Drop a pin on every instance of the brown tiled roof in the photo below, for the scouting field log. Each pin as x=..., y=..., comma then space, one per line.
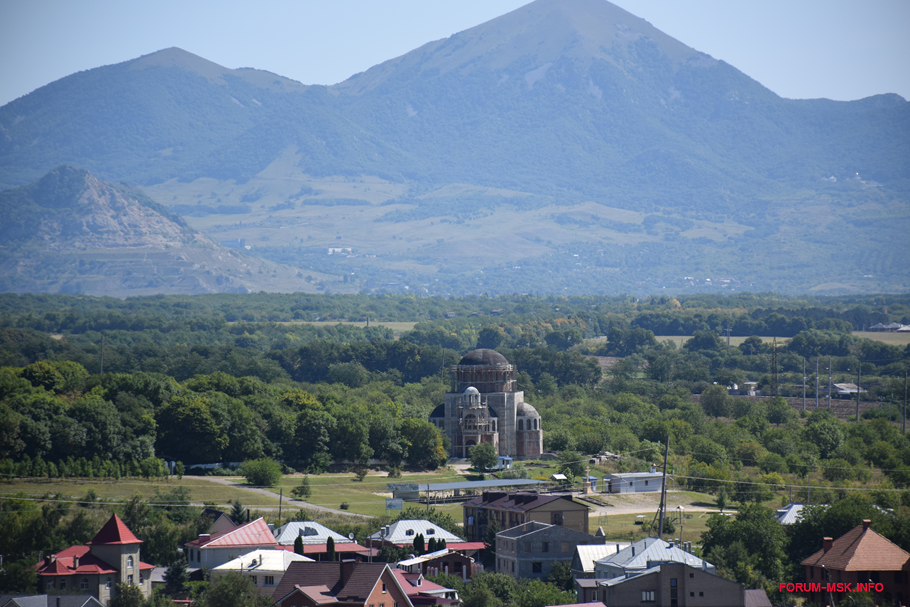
x=115, y=531
x=518, y=502
x=860, y=549
x=362, y=580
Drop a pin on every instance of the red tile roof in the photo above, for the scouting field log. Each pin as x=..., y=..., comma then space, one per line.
x=860, y=549
x=89, y=564
x=115, y=532
x=408, y=582
x=255, y=533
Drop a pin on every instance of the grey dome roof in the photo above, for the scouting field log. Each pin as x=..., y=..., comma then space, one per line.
x=483, y=357
x=439, y=411
x=523, y=409
x=471, y=390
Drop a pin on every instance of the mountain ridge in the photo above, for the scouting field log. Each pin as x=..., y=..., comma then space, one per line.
x=620, y=143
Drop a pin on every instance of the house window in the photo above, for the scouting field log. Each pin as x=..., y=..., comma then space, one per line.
x=691, y=594
x=527, y=546
x=431, y=532
x=565, y=547
x=701, y=594
x=108, y=583
x=129, y=562
x=646, y=483
x=673, y=588
x=647, y=596
x=62, y=584
x=536, y=567
x=255, y=580
x=545, y=547
x=50, y=584
x=383, y=587
x=409, y=532
x=269, y=580
x=691, y=575
x=83, y=585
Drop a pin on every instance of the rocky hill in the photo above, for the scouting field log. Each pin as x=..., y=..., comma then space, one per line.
x=69, y=232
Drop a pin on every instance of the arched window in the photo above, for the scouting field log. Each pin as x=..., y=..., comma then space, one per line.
x=521, y=425
x=129, y=562
x=83, y=585
x=108, y=584
x=536, y=422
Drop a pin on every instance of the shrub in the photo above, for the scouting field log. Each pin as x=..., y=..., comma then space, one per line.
x=264, y=472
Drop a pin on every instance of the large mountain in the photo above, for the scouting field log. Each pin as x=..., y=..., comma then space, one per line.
x=565, y=131
x=72, y=233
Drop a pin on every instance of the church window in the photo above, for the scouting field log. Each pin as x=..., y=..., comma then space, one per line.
x=83, y=585
x=129, y=562
x=521, y=425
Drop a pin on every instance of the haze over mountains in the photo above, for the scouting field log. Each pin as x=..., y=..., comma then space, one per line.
x=567, y=146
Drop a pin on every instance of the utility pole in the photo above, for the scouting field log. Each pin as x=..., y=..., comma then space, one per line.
x=859, y=373
x=816, y=383
x=804, y=384
x=829, y=383
x=728, y=330
x=663, y=493
x=904, y=422
x=280, y=499
x=774, y=367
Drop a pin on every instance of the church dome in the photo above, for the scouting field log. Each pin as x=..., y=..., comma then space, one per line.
x=483, y=357
x=471, y=390
x=523, y=409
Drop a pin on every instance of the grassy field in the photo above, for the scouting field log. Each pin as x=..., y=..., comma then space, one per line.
x=679, y=340
x=893, y=339
x=201, y=491
x=367, y=496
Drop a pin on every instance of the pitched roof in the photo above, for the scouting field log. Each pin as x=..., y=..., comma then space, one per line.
x=650, y=550
x=268, y=560
x=326, y=573
x=254, y=533
x=789, y=514
x=309, y=532
x=404, y=532
x=860, y=549
x=409, y=581
x=115, y=531
x=588, y=553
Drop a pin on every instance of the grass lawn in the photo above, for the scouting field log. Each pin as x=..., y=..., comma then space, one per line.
x=367, y=496
x=200, y=491
x=893, y=339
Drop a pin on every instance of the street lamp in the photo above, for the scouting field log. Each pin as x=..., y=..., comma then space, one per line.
x=681, y=512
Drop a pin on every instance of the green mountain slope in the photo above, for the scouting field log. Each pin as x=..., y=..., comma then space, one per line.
x=565, y=128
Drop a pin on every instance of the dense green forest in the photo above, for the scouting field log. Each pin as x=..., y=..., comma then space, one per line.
x=229, y=378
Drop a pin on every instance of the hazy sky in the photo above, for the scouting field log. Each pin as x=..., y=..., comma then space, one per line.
x=837, y=49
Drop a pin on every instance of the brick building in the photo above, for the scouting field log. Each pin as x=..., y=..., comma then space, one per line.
x=513, y=509
x=860, y=556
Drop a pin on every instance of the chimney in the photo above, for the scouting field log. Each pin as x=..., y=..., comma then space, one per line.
x=827, y=542
x=633, y=550
x=347, y=570
x=866, y=524
x=75, y=562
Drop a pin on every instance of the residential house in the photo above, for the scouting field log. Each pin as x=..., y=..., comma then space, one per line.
x=345, y=582
x=314, y=540
x=45, y=600
x=860, y=556
x=633, y=482
x=664, y=585
x=212, y=550
x=513, y=509
x=530, y=550
x=112, y=557
x=643, y=554
x=403, y=532
x=586, y=555
x=264, y=567
x=424, y=592
x=789, y=514
x=446, y=561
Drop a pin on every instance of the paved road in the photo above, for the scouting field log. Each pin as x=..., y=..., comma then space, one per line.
x=288, y=503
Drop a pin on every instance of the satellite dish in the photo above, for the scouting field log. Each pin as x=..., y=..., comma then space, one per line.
x=351, y=536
